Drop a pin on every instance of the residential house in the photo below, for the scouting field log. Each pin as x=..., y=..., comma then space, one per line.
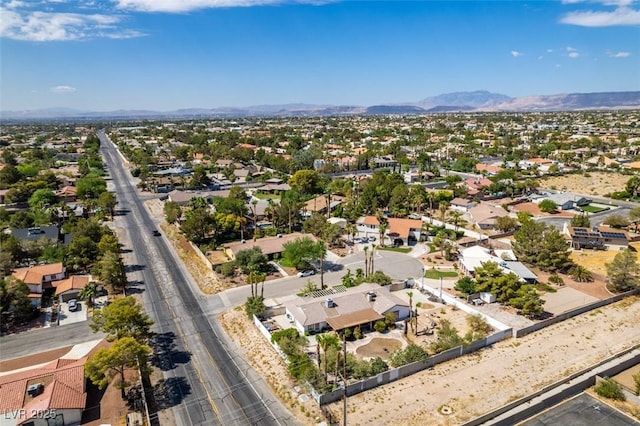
x=484, y=215
x=542, y=164
x=400, y=231
x=564, y=200
x=67, y=194
x=474, y=257
x=475, y=185
x=382, y=162
x=39, y=278
x=319, y=205
x=57, y=387
x=462, y=204
x=600, y=238
x=269, y=245
x=488, y=169
x=69, y=288
x=183, y=197
x=359, y=306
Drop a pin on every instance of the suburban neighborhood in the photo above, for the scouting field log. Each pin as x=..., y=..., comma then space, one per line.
x=319, y=263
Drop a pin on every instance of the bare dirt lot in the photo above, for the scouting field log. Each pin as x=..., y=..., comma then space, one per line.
x=593, y=183
x=506, y=371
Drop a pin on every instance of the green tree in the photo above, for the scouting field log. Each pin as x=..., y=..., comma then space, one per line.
x=15, y=305
x=198, y=224
x=108, y=244
x=327, y=341
x=124, y=354
x=90, y=187
x=252, y=260
x=124, y=317
x=633, y=186
x=82, y=252
x=110, y=270
x=307, y=182
x=255, y=306
x=302, y=251
x=528, y=301
x=411, y=353
x=624, y=271
x=580, y=221
x=172, y=211
x=466, y=285
x=616, y=221
x=42, y=198
x=548, y=206
x=506, y=223
x=448, y=337
x=107, y=202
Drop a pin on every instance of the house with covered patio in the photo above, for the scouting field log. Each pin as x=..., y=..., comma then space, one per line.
x=345, y=308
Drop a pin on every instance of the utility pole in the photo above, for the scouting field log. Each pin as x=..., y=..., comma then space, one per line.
x=441, y=301
x=344, y=378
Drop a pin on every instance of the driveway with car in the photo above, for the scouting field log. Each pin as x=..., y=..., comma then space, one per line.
x=66, y=316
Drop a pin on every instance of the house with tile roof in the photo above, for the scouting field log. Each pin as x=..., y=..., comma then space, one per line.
x=69, y=288
x=57, y=388
x=39, y=278
x=405, y=230
x=358, y=306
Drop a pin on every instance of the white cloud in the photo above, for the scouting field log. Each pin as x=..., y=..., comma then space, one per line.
x=622, y=15
x=178, y=6
x=58, y=26
x=61, y=90
x=516, y=54
x=619, y=54
x=572, y=52
x=540, y=57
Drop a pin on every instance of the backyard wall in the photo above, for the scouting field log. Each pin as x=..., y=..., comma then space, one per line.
x=409, y=369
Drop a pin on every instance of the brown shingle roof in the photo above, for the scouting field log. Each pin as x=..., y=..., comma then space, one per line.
x=353, y=319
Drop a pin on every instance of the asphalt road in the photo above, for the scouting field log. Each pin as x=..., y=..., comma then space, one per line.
x=210, y=386
x=44, y=339
x=396, y=265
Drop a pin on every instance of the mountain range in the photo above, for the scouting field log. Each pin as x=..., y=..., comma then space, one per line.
x=476, y=101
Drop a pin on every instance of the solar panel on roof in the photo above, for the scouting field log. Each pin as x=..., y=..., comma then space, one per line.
x=613, y=235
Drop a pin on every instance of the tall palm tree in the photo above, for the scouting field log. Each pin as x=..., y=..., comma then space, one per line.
x=327, y=341
x=366, y=260
x=456, y=218
x=442, y=208
x=382, y=228
x=410, y=294
x=373, y=250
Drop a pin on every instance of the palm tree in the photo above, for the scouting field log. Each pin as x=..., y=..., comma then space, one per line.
x=89, y=292
x=382, y=228
x=410, y=294
x=366, y=260
x=254, y=203
x=581, y=274
x=327, y=341
x=442, y=208
x=456, y=219
x=373, y=250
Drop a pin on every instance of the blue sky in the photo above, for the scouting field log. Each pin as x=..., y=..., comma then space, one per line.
x=104, y=55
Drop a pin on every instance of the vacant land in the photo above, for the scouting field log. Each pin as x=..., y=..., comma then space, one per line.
x=593, y=183
x=506, y=371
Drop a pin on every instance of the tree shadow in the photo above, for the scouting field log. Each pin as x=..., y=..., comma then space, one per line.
x=165, y=353
x=171, y=392
x=94, y=396
x=134, y=268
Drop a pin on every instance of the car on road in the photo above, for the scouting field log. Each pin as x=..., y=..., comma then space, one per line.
x=156, y=233
x=73, y=305
x=306, y=273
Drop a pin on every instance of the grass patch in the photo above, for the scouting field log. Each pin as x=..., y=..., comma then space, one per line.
x=432, y=248
x=436, y=274
x=594, y=209
x=398, y=249
x=285, y=263
x=266, y=196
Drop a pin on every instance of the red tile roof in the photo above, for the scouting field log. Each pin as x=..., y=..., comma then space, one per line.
x=64, y=387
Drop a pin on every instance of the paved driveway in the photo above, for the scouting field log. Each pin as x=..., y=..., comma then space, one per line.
x=67, y=317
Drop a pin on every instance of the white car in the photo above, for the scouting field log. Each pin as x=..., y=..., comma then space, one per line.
x=73, y=305
x=306, y=273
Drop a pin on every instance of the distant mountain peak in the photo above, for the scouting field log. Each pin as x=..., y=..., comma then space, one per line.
x=474, y=99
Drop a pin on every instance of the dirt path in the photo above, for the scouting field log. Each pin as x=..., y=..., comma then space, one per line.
x=497, y=375
x=593, y=183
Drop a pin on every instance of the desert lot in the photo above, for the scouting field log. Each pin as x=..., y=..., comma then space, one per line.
x=595, y=183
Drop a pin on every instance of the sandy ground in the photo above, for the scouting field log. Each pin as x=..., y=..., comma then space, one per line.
x=506, y=371
x=596, y=183
x=261, y=355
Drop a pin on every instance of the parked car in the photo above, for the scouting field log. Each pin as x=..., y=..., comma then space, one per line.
x=372, y=239
x=73, y=305
x=306, y=273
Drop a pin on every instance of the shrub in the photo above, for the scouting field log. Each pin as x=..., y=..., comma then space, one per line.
x=390, y=320
x=556, y=279
x=411, y=353
x=380, y=326
x=609, y=388
x=226, y=269
x=636, y=381
x=357, y=333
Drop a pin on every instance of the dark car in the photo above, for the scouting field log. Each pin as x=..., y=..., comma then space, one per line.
x=156, y=233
